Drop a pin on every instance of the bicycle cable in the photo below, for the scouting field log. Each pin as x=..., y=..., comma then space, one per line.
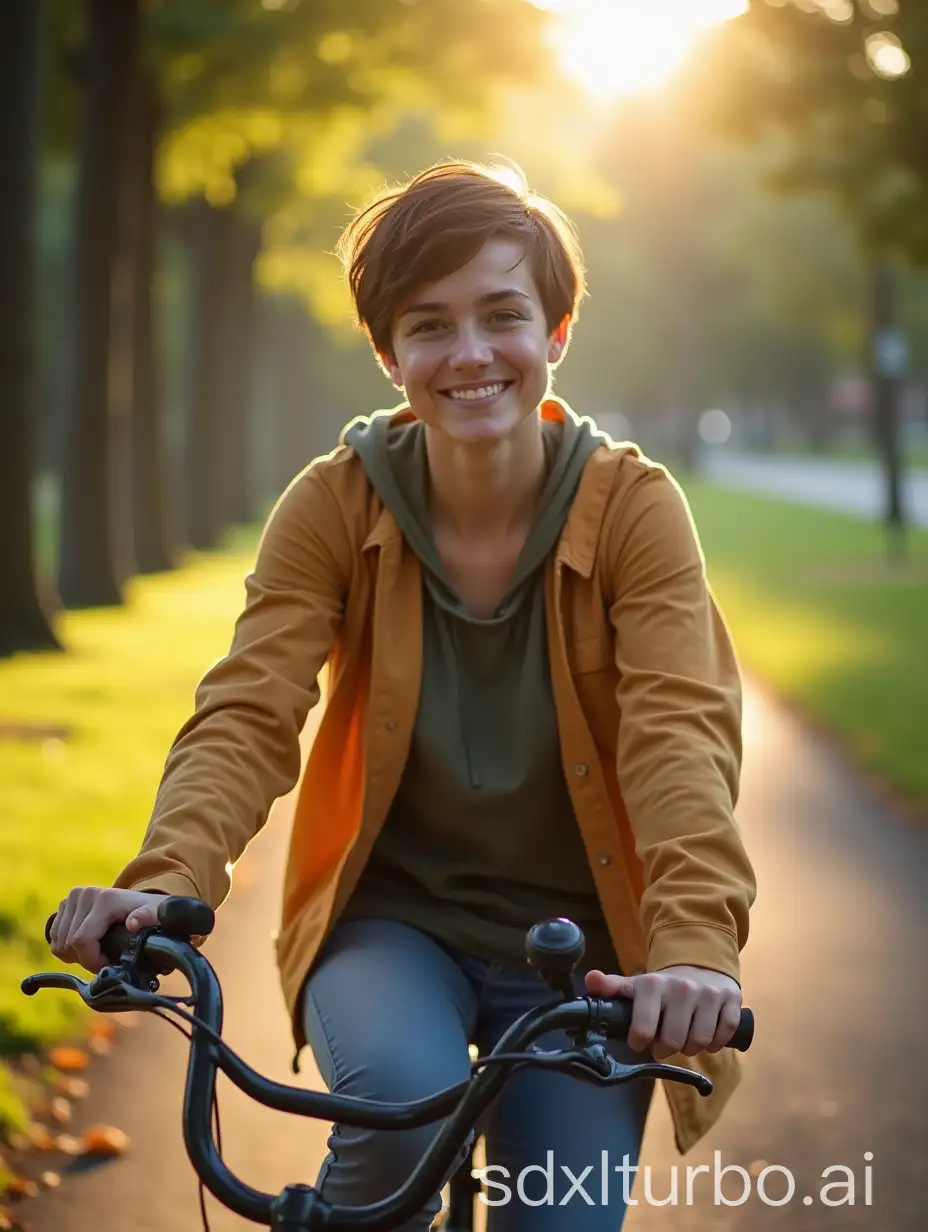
x=215, y=1109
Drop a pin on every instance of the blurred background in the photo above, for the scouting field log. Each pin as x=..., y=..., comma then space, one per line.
x=750, y=186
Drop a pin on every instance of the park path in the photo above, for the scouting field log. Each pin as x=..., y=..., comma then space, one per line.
x=848, y=487
x=834, y=970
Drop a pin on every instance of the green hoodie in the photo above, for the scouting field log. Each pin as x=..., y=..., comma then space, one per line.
x=481, y=841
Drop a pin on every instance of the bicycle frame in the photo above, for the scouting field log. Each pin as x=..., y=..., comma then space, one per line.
x=129, y=985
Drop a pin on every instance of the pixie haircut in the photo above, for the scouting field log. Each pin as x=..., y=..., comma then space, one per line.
x=426, y=229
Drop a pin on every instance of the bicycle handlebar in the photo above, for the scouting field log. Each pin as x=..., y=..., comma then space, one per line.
x=128, y=984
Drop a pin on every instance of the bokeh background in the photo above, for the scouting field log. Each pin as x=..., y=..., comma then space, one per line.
x=750, y=186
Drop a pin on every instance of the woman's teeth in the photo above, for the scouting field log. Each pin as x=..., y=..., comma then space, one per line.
x=473, y=395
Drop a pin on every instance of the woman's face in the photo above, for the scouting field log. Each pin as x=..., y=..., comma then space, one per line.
x=472, y=350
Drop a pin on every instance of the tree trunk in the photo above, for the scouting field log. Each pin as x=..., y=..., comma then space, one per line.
x=203, y=462
x=886, y=372
x=23, y=623
x=87, y=571
x=238, y=307
x=147, y=444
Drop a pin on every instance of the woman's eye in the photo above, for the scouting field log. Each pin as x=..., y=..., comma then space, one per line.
x=507, y=317
x=426, y=327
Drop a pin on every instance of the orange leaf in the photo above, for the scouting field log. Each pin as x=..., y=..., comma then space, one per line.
x=105, y=1140
x=6, y=1219
x=68, y=1058
x=102, y=1028
x=22, y=1187
x=51, y=1180
x=100, y=1045
x=69, y=1145
x=40, y=1138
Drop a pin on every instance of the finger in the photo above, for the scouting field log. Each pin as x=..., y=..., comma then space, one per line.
x=603, y=985
x=728, y=1023
x=104, y=910
x=61, y=929
x=709, y=1004
x=646, y=1012
x=145, y=916
x=679, y=998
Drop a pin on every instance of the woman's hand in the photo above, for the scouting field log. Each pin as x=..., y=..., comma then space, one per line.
x=701, y=1008
x=88, y=911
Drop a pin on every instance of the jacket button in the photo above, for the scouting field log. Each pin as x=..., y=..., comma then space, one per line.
x=580, y=768
x=604, y=858
x=391, y=724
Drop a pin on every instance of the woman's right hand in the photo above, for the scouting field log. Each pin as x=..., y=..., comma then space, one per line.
x=88, y=911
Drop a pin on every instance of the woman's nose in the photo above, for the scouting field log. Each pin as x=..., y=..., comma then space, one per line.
x=470, y=348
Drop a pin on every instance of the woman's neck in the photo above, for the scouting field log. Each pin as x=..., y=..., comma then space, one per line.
x=480, y=491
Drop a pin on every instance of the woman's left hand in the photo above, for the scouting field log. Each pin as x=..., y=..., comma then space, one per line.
x=701, y=1008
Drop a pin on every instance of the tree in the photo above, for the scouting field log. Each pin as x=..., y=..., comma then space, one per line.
x=88, y=572
x=846, y=85
x=24, y=624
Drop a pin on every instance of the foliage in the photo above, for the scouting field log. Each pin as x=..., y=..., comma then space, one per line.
x=846, y=83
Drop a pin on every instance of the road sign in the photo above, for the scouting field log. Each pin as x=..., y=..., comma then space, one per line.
x=891, y=353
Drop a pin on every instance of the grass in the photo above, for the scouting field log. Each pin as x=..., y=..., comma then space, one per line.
x=816, y=610
x=75, y=806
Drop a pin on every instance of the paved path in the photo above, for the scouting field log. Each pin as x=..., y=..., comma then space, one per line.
x=834, y=970
x=850, y=487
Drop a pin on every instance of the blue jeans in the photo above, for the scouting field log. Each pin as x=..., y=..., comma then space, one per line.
x=389, y=1013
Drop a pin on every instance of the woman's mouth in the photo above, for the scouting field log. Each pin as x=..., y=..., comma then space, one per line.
x=476, y=395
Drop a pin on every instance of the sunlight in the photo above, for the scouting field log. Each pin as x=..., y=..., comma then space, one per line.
x=620, y=47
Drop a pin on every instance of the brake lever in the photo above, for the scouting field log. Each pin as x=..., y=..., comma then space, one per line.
x=112, y=996
x=657, y=1069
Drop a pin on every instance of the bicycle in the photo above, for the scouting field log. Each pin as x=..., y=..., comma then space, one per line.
x=130, y=981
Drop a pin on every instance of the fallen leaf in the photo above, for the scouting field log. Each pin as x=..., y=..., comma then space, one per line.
x=59, y=1109
x=102, y=1028
x=74, y=1088
x=21, y=1187
x=105, y=1140
x=69, y=1145
x=100, y=1045
x=68, y=1058
x=51, y=1180
x=6, y=1219
x=17, y=1141
x=40, y=1138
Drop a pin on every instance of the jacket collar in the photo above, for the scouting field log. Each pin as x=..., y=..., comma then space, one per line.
x=579, y=539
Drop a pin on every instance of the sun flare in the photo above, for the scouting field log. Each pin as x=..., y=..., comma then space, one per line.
x=620, y=47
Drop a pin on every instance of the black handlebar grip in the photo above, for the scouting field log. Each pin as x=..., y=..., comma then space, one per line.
x=178, y=916
x=619, y=1018
x=744, y=1032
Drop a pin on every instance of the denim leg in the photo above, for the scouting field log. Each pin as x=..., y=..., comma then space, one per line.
x=388, y=1015
x=553, y=1125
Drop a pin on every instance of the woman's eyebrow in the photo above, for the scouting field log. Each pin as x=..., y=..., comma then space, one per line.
x=491, y=297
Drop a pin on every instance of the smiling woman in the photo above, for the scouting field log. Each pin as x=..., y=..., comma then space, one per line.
x=631, y=46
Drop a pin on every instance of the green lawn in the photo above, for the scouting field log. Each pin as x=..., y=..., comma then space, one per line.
x=816, y=610
x=75, y=807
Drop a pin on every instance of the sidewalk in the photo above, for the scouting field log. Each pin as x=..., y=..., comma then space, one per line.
x=847, y=487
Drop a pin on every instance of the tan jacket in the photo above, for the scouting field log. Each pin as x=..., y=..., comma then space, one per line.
x=648, y=702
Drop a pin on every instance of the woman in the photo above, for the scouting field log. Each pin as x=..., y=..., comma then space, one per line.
x=533, y=710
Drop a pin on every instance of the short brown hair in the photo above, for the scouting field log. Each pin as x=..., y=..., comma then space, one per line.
x=437, y=222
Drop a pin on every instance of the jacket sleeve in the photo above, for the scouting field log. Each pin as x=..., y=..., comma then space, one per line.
x=679, y=744
x=240, y=749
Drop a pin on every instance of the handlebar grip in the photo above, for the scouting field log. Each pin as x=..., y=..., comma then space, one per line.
x=179, y=917
x=619, y=1019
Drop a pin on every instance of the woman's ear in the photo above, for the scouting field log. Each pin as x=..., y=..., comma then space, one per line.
x=557, y=344
x=390, y=369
